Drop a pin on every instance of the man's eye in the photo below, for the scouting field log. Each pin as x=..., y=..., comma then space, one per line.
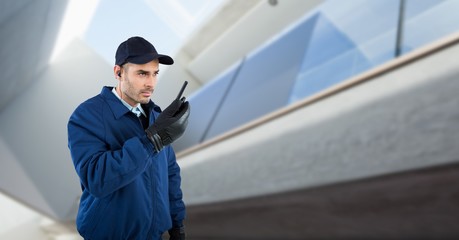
x=142, y=74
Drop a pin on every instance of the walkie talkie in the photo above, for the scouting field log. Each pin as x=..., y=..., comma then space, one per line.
x=182, y=90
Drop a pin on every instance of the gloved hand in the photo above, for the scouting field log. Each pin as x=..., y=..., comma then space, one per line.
x=170, y=124
x=177, y=233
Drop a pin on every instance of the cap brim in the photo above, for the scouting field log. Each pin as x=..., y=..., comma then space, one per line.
x=163, y=59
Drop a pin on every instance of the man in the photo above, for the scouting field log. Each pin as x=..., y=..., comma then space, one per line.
x=120, y=142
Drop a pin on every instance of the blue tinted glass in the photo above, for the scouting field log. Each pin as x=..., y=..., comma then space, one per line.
x=204, y=105
x=414, y=8
x=427, y=21
x=265, y=79
x=348, y=39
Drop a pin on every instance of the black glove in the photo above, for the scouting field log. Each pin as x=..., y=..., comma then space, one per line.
x=177, y=233
x=170, y=124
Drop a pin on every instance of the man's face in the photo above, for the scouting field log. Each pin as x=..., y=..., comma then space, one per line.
x=138, y=82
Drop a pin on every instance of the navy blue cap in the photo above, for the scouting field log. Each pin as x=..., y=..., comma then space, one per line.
x=139, y=51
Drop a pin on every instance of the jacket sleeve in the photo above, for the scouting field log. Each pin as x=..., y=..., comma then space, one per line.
x=102, y=170
x=177, y=206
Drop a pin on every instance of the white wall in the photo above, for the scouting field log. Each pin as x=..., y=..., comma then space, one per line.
x=34, y=131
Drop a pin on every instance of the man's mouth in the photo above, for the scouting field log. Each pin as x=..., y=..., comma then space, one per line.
x=146, y=93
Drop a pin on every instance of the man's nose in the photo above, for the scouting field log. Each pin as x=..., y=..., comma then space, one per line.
x=150, y=82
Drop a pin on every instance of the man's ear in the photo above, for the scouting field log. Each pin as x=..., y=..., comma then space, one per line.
x=117, y=71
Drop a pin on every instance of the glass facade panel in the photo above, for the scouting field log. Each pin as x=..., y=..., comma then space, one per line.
x=335, y=42
x=348, y=39
x=204, y=106
x=427, y=21
x=265, y=79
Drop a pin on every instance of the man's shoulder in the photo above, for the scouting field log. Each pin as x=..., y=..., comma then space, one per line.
x=90, y=108
x=94, y=102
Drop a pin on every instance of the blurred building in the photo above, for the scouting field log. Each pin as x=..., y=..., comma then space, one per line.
x=310, y=119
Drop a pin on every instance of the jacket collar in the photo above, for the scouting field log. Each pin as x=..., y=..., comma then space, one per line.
x=117, y=106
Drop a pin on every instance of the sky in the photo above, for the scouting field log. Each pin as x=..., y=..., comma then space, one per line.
x=104, y=24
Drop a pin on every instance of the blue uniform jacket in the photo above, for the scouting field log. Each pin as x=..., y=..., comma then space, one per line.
x=129, y=190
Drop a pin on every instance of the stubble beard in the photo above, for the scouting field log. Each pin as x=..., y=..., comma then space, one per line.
x=137, y=97
x=134, y=95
